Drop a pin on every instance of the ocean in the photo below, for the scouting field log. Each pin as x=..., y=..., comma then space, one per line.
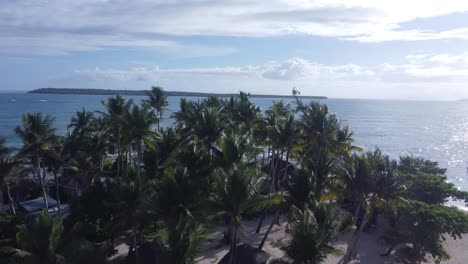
x=435, y=130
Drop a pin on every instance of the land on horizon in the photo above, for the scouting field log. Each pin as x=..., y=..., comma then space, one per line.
x=90, y=91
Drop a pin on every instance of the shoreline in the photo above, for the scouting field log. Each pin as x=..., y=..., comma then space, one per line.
x=84, y=91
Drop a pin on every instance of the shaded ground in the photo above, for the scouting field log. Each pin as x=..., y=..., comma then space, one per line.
x=369, y=252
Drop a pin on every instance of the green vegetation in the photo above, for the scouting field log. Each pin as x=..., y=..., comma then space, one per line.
x=161, y=189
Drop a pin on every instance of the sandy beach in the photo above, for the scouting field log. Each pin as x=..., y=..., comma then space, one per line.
x=370, y=248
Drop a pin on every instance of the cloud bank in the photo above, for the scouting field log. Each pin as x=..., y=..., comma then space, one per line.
x=60, y=27
x=420, y=68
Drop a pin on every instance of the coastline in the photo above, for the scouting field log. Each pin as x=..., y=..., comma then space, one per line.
x=84, y=91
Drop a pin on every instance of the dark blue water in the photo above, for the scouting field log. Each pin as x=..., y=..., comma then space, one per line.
x=433, y=130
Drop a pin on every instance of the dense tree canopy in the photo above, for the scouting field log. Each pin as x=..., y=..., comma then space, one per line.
x=160, y=188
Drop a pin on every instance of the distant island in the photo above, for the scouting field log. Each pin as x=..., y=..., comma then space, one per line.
x=143, y=92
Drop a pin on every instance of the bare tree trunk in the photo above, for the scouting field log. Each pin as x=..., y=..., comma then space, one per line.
x=273, y=221
x=233, y=245
x=353, y=246
x=12, y=204
x=260, y=222
x=135, y=246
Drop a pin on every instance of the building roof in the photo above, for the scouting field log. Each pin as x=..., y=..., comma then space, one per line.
x=37, y=204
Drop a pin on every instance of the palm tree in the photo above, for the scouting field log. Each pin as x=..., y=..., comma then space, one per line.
x=140, y=132
x=237, y=191
x=240, y=111
x=115, y=117
x=371, y=179
x=183, y=242
x=311, y=236
x=281, y=134
x=38, y=138
x=56, y=161
x=164, y=149
x=4, y=168
x=179, y=206
x=82, y=123
x=130, y=207
x=323, y=144
x=4, y=149
x=38, y=242
x=157, y=99
x=200, y=121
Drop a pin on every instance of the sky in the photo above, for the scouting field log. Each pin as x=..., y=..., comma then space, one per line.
x=416, y=49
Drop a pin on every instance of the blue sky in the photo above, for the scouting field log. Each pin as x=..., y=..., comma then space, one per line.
x=338, y=48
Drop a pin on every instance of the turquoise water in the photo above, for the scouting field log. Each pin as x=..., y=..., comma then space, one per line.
x=433, y=130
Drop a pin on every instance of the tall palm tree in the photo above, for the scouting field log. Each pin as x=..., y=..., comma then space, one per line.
x=240, y=111
x=38, y=138
x=140, y=121
x=131, y=206
x=371, y=179
x=179, y=208
x=9, y=171
x=4, y=152
x=323, y=144
x=281, y=133
x=56, y=161
x=182, y=242
x=117, y=109
x=82, y=123
x=39, y=241
x=157, y=99
x=237, y=191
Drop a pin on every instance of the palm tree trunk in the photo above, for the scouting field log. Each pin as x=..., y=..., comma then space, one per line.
x=353, y=246
x=157, y=121
x=160, y=118
x=233, y=248
x=57, y=190
x=260, y=222
x=2, y=207
x=139, y=155
x=280, y=167
x=10, y=198
x=135, y=232
x=267, y=156
x=119, y=154
x=287, y=164
x=272, y=184
x=41, y=182
x=273, y=221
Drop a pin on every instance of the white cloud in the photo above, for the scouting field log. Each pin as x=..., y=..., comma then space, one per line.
x=57, y=27
x=411, y=35
x=422, y=69
x=287, y=70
